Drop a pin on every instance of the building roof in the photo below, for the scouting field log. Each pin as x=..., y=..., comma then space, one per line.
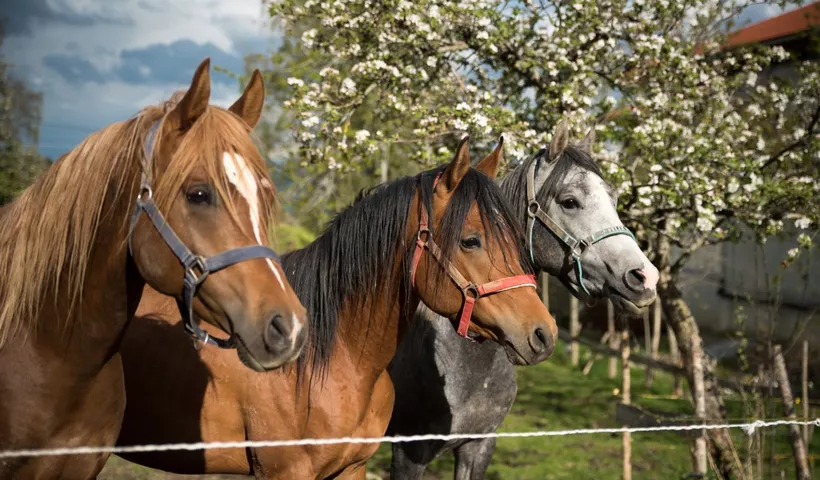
x=775, y=28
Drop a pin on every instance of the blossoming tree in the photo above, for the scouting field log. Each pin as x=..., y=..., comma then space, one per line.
x=702, y=147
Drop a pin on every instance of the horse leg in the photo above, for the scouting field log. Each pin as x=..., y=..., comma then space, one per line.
x=409, y=461
x=473, y=458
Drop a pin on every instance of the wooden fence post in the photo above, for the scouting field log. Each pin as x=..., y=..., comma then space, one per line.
x=612, y=338
x=656, y=337
x=675, y=354
x=805, y=382
x=626, y=396
x=759, y=413
x=574, y=330
x=801, y=463
x=699, y=394
x=545, y=289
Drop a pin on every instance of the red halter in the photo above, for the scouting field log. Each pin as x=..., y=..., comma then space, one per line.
x=471, y=291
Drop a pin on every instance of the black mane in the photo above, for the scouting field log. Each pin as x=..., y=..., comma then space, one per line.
x=514, y=184
x=353, y=259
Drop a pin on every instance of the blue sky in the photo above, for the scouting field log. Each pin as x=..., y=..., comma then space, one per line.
x=100, y=61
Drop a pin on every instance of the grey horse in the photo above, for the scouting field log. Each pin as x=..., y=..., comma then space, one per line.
x=445, y=383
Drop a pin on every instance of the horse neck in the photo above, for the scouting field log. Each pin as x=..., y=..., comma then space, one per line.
x=111, y=291
x=372, y=332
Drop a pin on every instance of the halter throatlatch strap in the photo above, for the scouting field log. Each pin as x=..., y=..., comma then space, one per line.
x=470, y=291
x=576, y=247
x=196, y=267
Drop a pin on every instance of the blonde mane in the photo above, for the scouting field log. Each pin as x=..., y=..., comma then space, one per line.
x=50, y=231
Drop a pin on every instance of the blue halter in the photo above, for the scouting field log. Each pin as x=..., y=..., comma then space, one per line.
x=576, y=247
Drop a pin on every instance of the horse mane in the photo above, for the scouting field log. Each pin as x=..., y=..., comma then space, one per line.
x=514, y=184
x=50, y=230
x=352, y=261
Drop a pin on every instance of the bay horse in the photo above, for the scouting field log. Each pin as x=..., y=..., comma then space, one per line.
x=445, y=385
x=143, y=201
x=361, y=281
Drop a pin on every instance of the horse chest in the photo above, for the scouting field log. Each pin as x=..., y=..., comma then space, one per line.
x=348, y=411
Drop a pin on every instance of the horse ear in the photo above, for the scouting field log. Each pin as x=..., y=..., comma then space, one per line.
x=459, y=167
x=588, y=141
x=489, y=165
x=249, y=106
x=560, y=140
x=195, y=101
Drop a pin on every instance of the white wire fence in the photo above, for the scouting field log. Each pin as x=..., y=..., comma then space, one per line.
x=748, y=428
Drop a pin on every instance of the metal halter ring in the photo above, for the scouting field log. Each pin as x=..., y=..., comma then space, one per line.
x=471, y=288
x=145, y=193
x=425, y=231
x=532, y=208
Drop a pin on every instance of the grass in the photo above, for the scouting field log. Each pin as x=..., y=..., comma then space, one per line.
x=556, y=396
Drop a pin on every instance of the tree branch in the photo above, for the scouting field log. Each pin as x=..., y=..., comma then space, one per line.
x=809, y=131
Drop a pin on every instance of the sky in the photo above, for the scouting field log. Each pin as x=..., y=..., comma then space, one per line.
x=100, y=61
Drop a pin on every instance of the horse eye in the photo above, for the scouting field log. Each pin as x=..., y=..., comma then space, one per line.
x=470, y=243
x=569, y=203
x=199, y=195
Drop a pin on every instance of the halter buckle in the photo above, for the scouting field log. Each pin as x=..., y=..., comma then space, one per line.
x=532, y=208
x=197, y=271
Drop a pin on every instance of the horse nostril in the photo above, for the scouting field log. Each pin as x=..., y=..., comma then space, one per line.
x=543, y=343
x=278, y=325
x=635, y=279
x=277, y=333
x=539, y=333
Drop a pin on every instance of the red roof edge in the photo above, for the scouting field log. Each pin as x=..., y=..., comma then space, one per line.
x=789, y=23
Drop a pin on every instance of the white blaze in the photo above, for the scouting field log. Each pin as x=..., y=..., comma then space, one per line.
x=242, y=178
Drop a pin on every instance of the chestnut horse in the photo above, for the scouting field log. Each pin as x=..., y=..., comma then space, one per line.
x=361, y=282
x=141, y=201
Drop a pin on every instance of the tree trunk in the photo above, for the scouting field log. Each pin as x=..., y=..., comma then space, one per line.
x=801, y=463
x=695, y=363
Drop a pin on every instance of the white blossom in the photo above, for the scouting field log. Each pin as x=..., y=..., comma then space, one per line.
x=362, y=135
x=802, y=223
x=348, y=87
x=308, y=37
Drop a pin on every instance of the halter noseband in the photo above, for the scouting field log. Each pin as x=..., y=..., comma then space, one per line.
x=197, y=268
x=469, y=290
x=577, y=248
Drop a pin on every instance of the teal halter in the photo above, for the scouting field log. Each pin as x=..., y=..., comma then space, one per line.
x=577, y=248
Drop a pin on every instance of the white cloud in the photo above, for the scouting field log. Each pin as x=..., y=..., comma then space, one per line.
x=109, y=27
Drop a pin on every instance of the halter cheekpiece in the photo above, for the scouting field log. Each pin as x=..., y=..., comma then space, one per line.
x=470, y=291
x=197, y=268
x=576, y=248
